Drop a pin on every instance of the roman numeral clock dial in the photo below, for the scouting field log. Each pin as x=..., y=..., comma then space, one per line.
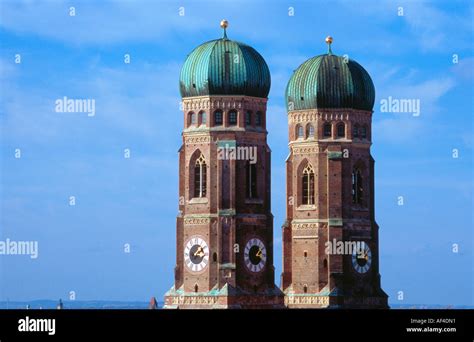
x=362, y=258
x=196, y=254
x=255, y=255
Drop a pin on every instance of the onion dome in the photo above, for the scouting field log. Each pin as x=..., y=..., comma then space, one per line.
x=224, y=67
x=330, y=81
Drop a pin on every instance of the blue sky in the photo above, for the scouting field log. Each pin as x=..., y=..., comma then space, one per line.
x=134, y=201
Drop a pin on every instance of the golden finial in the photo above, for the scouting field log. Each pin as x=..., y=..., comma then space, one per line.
x=224, y=25
x=329, y=42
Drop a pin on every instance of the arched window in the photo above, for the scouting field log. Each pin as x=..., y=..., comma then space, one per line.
x=258, y=119
x=251, y=185
x=299, y=132
x=196, y=288
x=363, y=132
x=308, y=185
x=200, y=177
x=248, y=118
x=203, y=118
x=218, y=118
x=232, y=118
x=327, y=130
x=357, y=187
x=191, y=119
x=355, y=131
x=214, y=257
x=341, y=130
x=310, y=131
x=305, y=288
x=325, y=263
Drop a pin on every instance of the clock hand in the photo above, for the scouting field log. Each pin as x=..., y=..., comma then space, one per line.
x=259, y=253
x=199, y=252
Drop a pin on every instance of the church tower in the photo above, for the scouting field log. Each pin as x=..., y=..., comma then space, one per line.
x=224, y=229
x=330, y=237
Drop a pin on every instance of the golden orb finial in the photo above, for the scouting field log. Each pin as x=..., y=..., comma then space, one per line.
x=329, y=42
x=224, y=24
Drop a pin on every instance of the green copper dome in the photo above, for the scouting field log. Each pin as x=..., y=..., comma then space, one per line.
x=329, y=81
x=224, y=67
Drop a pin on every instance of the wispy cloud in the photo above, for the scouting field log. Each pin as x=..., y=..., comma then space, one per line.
x=423, y=25
x=398, y=83
x=435, y=28
x=135, y=100
x=96, y=23
x=428, y=91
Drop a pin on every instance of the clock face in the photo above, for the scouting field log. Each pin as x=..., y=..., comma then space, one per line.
x=255, y=255
x=196, y=254
x=362, y=258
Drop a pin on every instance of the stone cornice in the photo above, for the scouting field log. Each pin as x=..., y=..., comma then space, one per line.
x=196, y=221
x=202, y=137
x=318, y=145
x=298, y=116
x=224, y=102
x=197, y=139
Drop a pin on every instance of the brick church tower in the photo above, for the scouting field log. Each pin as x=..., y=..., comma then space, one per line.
x=224, y=229
x=330, y=237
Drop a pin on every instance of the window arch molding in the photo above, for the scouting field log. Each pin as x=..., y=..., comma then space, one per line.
x=306, y=183
x=248, y=118
x=327, y=130
x=232, y=117
x=299, y=131
x=341, y=130
x=192, y=119
x=309, y=130
x=202, y=118
x=251, y=180
x=198, y=175
x=359, y=184
x=218, y=117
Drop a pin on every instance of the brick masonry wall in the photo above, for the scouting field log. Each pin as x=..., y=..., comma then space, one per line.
x=306, y=266
x=225, y=218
